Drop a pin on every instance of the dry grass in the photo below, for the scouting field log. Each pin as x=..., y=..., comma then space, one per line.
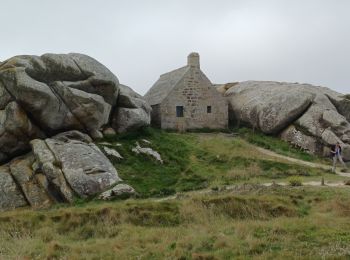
x=277, y=223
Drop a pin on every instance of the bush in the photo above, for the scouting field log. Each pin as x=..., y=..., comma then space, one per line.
x=295, y=181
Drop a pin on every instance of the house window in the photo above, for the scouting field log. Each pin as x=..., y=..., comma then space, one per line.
x=179, y=111
x=208, y=109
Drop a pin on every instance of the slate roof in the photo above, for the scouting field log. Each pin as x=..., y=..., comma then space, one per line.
x=163, y=86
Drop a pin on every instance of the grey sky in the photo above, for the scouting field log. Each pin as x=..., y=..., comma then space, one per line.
x=283, y=40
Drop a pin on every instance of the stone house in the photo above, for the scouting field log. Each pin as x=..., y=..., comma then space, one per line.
x=186, y=99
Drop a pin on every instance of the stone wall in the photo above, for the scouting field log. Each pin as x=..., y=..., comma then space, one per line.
x=194, y=92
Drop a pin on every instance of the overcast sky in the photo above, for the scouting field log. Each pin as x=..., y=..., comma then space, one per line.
x=283, y=40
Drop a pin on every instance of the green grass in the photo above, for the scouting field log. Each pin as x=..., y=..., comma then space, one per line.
x=258, y=223
x=274, y=144
x=149, y=177
x=195, y=161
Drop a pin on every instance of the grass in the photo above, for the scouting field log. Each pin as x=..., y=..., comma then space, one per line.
x=248, y=221
x=266, y=223
x=274, y=144
x=295, y=181
x=197, y=160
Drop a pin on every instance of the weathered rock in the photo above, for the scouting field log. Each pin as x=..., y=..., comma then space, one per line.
x=342, y=103
x=118, y=191
x=16, y=130
x=329, y=137
x=109, y=132
x=346, y=151
x=338, y=123
x=317, y=113
x=101, y=81
x=43, y=96
x=10, y=195
x=38, y=100
x=148, y=151
x=146, y=141
x=22, y=172
x=292, y=135
x=130, y=119
x=90, y=109
x=56, y=170
x=84, y=166
x=112, y=153
x=61, y=92
x=133, y=112
x=53, y=179
x=130, y=99
x=268, y=106
x=5, y=97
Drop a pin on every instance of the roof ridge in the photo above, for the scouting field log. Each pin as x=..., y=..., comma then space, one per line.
x=173, y=70
x=163, y=86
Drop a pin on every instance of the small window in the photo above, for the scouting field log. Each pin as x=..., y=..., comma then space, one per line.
x=179, y=111
x=208, y=109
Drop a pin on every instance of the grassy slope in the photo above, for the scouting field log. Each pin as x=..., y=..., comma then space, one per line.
x=200, y=160
x=262, y=223
x=275, y=144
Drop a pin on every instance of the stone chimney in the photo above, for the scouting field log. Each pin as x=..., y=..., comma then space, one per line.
x=193, y=60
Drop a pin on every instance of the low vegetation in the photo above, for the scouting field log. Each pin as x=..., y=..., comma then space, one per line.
x=232, y=217
x=251, y=222
x=295, y=181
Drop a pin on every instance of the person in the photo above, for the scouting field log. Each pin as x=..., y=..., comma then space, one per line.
x=336, y=154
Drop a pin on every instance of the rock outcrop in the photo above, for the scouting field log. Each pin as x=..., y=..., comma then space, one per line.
x=58, y=169
x=132, y=113
x=50, y=108
x=53, y=93
x=118, y=191
x=308, y=116
x=147, y=151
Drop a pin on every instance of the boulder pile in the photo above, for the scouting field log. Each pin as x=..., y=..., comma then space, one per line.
x=310, y=117
x=50, y=106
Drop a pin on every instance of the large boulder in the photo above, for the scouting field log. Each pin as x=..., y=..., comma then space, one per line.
x=16, y=130
x=49, y=88
x=22, y=173
x=10, y=194
x=58, y=169
x=308, y=116
x=41, y=96
x=86, y=169
x=300, y=139
x=133, y=111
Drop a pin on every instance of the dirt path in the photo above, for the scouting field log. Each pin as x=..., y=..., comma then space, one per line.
x=270, y=153
x=301, y=162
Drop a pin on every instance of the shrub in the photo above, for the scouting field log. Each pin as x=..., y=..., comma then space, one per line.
x=295, y=181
